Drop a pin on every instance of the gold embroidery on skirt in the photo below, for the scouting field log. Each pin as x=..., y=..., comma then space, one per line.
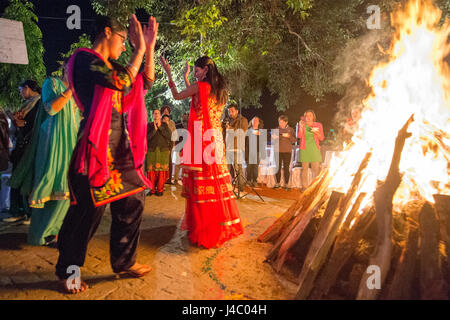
x=229, y=223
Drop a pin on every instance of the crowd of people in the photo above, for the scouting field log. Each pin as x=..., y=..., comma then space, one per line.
x=83, y=141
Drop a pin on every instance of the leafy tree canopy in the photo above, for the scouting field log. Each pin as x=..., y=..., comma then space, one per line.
x=11, y=75
x=287, y=46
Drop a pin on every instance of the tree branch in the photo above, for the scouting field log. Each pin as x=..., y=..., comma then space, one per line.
x=304, y=42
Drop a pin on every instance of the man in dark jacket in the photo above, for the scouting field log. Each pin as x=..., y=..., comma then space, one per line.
x=235, y=143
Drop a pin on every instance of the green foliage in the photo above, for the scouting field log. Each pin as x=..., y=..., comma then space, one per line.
x=300, y=6
x=84, y=41
x=119, y=9
x=11, y=75
x=199, y=20
x=159, y=95
x=445, y=7
x=286, y=46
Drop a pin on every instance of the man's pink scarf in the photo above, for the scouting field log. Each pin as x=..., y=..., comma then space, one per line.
x=91, y=159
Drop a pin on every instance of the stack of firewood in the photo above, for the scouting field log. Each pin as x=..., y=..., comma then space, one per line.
x=340, y=252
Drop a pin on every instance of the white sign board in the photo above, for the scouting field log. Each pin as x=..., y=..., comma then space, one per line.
x=13, y=48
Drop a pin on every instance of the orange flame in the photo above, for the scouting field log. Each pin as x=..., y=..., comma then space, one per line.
x=415, y=80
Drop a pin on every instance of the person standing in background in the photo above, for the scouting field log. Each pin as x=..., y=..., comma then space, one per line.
x=158, y=153
x=351, y=125
x=285, y=139
x=4, y=160
x=4, y=141
x=166, y=110
x=310, y=133
x=42, y=172
x=252, y=160
x=183, y=124
x=24, y=122
x=235, y=144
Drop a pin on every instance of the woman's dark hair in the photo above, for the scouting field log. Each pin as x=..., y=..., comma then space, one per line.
x=31, y=84
x=101, y=22
x=260, y=125
x=214, y=78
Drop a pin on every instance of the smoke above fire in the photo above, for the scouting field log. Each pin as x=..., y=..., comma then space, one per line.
x=411, y=77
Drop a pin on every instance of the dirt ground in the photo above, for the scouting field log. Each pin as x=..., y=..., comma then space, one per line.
x=180, y=270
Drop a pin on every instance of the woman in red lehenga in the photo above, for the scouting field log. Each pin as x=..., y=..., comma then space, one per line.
x=212, y=216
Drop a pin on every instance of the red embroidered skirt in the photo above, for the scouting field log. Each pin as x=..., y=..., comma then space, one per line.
x=212, y=216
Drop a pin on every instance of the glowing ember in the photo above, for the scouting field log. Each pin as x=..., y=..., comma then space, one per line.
x=416, y=80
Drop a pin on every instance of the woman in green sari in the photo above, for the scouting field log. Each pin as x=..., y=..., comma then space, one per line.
x=42, y=175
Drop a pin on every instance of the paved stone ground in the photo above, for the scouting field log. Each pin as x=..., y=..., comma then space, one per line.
x=180, y=270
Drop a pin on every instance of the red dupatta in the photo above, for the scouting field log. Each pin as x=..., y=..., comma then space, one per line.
x=192, y=152
x=91, y=159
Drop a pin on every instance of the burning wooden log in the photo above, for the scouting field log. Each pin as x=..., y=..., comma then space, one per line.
x=326, y=234
x=442, y=206
x=274, y=231
x=294, y=235
x=432, y=284
x=303, y=216
x=383, y=197
x=402, y=282
x=308, y=271
x=299, y=223
x=407, y=254
x=345, y=245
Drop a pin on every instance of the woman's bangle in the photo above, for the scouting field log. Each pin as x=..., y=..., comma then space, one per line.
x=62, y=94
x=130, y=65
x=148, y=78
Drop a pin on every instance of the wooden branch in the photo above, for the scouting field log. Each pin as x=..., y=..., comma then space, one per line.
x=326, y=235
x=432, y=284
x=401, y=287
x=383, y=197
x=307, y=275
x=304, y=42
x=318, y=199
x=275, y=230
x=442, y=207
x=293, y=236
x=318, y=196
x=346, y=243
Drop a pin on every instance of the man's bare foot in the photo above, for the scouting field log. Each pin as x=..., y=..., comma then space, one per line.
x=137, y=270
x=65, y=286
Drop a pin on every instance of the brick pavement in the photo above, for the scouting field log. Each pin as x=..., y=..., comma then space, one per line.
x=180, y=270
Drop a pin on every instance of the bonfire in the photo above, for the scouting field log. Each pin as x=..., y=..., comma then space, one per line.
x=383, y=204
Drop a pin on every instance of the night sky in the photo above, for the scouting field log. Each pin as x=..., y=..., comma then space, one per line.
x=57, y=39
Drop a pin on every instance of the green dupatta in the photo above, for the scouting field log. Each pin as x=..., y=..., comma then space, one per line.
x=42, y=172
